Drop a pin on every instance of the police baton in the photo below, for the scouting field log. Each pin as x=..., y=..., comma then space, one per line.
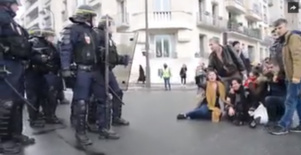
x=21, y=96
x=115, y=95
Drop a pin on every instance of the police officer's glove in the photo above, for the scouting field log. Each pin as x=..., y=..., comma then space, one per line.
x=3, y=72
x=67, y=73
x=44, y=58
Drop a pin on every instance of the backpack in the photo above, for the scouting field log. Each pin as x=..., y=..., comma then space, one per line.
x=298, y=32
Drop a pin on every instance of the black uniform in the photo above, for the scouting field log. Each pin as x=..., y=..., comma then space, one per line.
x=114, y=59
x=79, y=46
x=14, y=51
x=42, y=80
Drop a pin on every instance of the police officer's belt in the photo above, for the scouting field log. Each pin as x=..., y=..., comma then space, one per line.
x=85, y=67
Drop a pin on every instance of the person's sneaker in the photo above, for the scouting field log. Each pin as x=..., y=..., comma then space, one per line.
x=278, y=130
x=296, y=129
x=181, y=116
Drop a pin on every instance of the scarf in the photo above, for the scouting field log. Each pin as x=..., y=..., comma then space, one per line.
x=211, y=93
x=250, y=80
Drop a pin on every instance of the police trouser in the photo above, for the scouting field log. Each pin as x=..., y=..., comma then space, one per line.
x=61, y=95
x=35, y=85
x=116, y=103
x=92, y=111
x=10, y=103
x=51, y=89
x=87, y=83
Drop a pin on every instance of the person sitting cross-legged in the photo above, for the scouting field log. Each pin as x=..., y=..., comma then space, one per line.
x=209, y=106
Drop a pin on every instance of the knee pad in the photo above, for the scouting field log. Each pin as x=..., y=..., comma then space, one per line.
x=6, y=111
x=81, y=107
x=7, y=105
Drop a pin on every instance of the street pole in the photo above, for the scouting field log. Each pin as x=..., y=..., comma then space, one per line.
x=147, y=65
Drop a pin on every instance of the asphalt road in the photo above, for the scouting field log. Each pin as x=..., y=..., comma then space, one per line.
x=154, y=130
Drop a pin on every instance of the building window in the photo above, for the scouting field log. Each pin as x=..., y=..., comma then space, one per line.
x=65, y=15
x=162, y=5
x=122, y=11
x=262, y=54
x=163, y=45
x=80, y=2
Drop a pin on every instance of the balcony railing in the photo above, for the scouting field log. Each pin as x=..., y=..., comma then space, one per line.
x=163, y=20
x=204, y=18
x=162, y=15
x=239, y=28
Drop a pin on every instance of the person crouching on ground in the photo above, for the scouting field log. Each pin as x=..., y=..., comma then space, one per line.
x=209, y=106
x=237, y=111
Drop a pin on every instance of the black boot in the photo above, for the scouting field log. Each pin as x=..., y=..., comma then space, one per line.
x=82, y=139
x=117, y=112
x=181, y=117
x=80, y=135
x=53, y=120
x=72, y=116
x=24, y=140
x=92, y=127
x=108, y=134
x=10, y=148
x=120, y=122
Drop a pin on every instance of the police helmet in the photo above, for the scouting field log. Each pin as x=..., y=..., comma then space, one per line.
x=35, y=31
x=45, y=32
x=85, y=11
x=10, y=2
x=102, y=22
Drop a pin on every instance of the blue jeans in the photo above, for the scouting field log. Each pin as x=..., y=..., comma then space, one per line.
x=167, y=83
x=292, y=103
x=202, y=112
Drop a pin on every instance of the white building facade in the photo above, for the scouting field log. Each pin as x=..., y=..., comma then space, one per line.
x=179, y=31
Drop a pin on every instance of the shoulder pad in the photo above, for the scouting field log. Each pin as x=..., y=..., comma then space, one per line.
x=67, y=29
x=66, y=34
x=5, y=18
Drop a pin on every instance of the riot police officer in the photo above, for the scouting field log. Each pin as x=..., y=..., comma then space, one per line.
x=14, y=50
x=117, y=93
x=42, y=81
x=104, y=116
x=79, y=47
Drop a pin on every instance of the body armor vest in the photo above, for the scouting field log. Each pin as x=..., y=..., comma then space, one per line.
x=85, y=50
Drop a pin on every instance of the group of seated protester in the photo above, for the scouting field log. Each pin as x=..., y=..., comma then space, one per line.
x=263, y=86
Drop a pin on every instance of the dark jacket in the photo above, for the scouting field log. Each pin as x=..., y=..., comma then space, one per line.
x=183, y=72
x=246, y=62
x=240, y=102
x=231, y=63
x=277, y=88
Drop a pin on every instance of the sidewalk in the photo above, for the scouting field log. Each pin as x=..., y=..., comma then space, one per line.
x=160, y=87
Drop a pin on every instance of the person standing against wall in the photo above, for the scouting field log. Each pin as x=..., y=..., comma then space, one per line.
x=183, y=74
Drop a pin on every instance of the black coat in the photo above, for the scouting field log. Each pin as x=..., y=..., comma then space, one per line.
x=231, y=63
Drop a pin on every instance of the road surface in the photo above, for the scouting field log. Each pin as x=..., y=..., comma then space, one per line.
x=154, y=130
